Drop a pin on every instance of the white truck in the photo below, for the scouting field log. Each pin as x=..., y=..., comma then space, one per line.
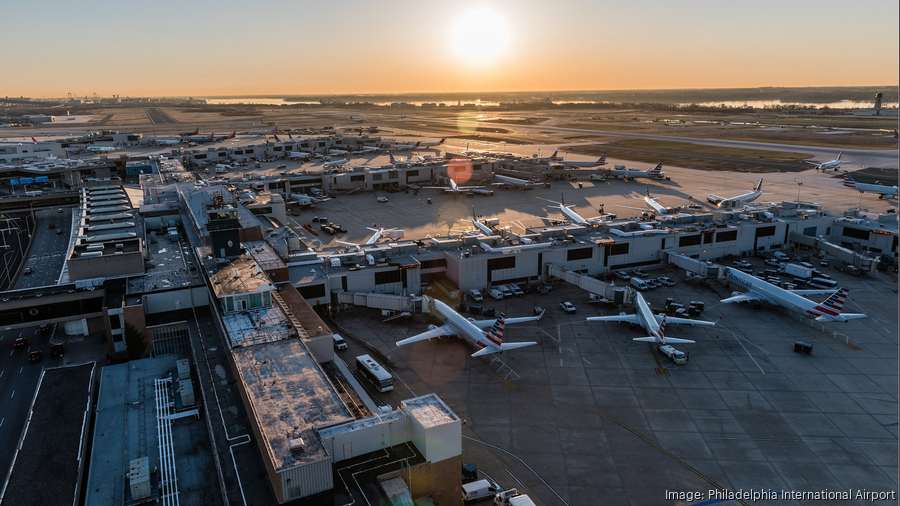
x=478, y=490
x=798, y=271
x=512, y=497
x=514, y=288
x=476, y=295
x=597, y=177
x=640, y=284
x=677, y=356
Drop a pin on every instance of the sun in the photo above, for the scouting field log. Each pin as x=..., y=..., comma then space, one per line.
x=480, y=37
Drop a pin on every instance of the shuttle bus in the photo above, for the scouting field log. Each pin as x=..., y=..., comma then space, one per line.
x=829, y=284
x=377, y=375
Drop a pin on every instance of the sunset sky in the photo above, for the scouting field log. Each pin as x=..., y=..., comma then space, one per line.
x=204, y=48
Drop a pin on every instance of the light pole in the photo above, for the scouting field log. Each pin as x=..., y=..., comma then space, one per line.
x=799, y=184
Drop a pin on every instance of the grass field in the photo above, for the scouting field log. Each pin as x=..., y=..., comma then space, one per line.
x=713, y=150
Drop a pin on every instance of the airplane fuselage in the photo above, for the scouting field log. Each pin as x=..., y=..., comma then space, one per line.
x=780, y=296
x=463, y=327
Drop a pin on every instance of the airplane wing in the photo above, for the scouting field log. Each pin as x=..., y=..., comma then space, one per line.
x=503, y=347
x=436, y=188
x=639, y=209
x=630, y=318
x=715, y=197
x=446, y=330
x=485, y=324
x=668, y=340
x=746, y=297
x=686, y=321
x=814, y=292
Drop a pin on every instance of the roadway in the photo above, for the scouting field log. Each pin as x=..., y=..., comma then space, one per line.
x=18, y=381
x=48, y=248
x=158, y=117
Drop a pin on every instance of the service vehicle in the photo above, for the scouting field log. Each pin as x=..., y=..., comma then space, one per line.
x=477, y=490
x=779, y=255
x=512, y=497
x=496, y=294
x=677, y=356
x=665, y=281
x=640, y=284
x=798, y=271
x=476, y=295
x=623, y=275
x=339, y=343
x=374, y=373
x=567, y=307
x=641, y=272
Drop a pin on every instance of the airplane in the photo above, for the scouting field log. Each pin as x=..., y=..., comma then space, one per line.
x=472, y=331
x=168, y=142
x=892, y=132
x=338, y=152
x=101, y=149
x=402, y=116
x=655, y=172
x=759, y=290
x=525, y=185
x=371, y=149
x=723, y=203
x=300, y=155
x=886, y=192
x=188, y=134
x=655, y=325
x=358, y=120
x=264, y=132
x=201, y=141
x=270, y=123
x=577, y=219
x=833, y=164
x=479, y=225
x=225, y=137
x=372, y=240
x=336, y=163
x=455, y=188
x=551, y=158
x=431, y=144
x=655, y=207
x=307, y=200
x=400, y=147
x=600, y=161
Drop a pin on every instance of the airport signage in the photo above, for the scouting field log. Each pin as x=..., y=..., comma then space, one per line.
x=26, y=180
x=13, y=181
x=42, y=179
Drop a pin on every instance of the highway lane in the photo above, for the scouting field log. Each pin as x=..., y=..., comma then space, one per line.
x=18, y=382
x=158, y=117
x=48, y=251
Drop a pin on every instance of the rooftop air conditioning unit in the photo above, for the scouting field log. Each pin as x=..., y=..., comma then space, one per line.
x=297, y=445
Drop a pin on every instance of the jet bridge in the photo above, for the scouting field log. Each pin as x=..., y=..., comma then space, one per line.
x=617, y=294
x=702, y=268
x=853, y=258
x=380, y=301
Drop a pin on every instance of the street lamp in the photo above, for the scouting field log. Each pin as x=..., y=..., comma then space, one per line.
x=799, y=184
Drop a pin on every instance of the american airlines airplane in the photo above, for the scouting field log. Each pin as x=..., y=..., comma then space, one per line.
x=885, y=192
x=759, y=290
x=400, y=147
x=472, y=331
x=655, y=325
x=521, y=183
x=372, y=240
x=455, y=188
x=833, y=164
x=336, y=163
x=655, y=172
x=552, y=158
x=358, y=120
x=431, y=144
x=656, y=207
x=600, y=161
x=724, y=203
x=307, y=200
x=479, y=225
x=301, y=155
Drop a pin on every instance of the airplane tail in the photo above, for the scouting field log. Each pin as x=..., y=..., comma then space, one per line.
x=290, y=136
x=759, y=185
x=836, y=302
x=562, y=198
x=393, y=160
x=474, y=216
x=445, y=139
x=495, y=335
x=34, y=141
x=655, y=171
x=602, y=160
x=648, y=196
x=848, y=181
x=417, y=145
x=277, y=139
x=533, y=178
x=840, y=153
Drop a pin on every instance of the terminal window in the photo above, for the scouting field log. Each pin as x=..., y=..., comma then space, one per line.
x=358, y=179
x=434, y=264
x=731, y=235
x=856, y=233
x=312, y=292
x=579, y=254
x=765, y=231
x=618, y=249
x=690, y=240
x=383, y=278
x=377, y=177
x=810, y=231
x=495, y=264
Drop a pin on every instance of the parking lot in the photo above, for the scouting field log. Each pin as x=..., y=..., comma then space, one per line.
x=594, y=414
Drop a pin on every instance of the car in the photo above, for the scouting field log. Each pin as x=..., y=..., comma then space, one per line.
x=665, y=281
x=51, y=226
x=59, y=231
x=27, y=271
x=44, y=328
x=623, y=275
x=567, y=307
x=59, y=210
x=641, y=272
x=651, y=283
x=57, y=351
x=774, y=262
x=543, y=289
x=35, y=356
x=382, y=199
x=823, y=263
x=20, y=343
x=743, y=263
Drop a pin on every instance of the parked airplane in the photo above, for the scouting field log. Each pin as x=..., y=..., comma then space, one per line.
x=576, y=218
x=358, y=120
x=724, y=203
x=479, y=225
x=833, y=164
x=371, y=149
x=600, y=161
x=202, y=140
x=455, y=188
x=655, y=325
x=431, y=144
x=521, y=183
x=264, y=132
x=188, y=134
x=886, y=192
x=472, y=331
x=168, y=142
x=551, y=158
x=655, y=172
x=307, y=200
x=300, y=155
x=372, y=240
x=656, y=207
x=400, y=147
x=336, y=163
x=342, y=152
x=270, y=123
x=101, y=149
x=225, y=137
x=759, y=290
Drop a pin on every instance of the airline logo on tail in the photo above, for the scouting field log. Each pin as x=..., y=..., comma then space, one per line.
x=532, y=181
x=393, y=160
x=848, y=181
x=759, y=185
x=601, y=160
x=34, y=141
x=840, y=153
x=832, y=305
x=444, y=139
x=277, y=139
x=495, y=335
x=655, y=171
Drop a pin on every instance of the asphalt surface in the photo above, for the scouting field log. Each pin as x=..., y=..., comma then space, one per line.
x=18, y=381
x=47, y=254
x=158, y=117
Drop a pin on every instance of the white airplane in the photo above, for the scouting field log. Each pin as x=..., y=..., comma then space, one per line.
x=655, y=172
x=336, y=163
x=372, y=240
x=168, y=142
x=300, y=155
x=342, y=152
x=833, y=164
x=455, y=188
x=521, y=183
x=101, y=149
x=371, y=149
x=600, y=161
x=551, y=158
x=759, y=290
x=886, y=192
x=358, y=120
x=580, y=220
x=472, y=331
x=264, y=132
x=655, y=207
x=431, y=144
x=307, y=200
x=400, y=147
x=479, y=225
x=655, y=325
x=724, y=203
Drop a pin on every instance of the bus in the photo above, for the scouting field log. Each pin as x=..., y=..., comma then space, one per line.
x=377, y=375
x=823, y=283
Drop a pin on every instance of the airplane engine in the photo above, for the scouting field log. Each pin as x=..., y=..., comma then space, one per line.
x=735, y=294
x=432, y=327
